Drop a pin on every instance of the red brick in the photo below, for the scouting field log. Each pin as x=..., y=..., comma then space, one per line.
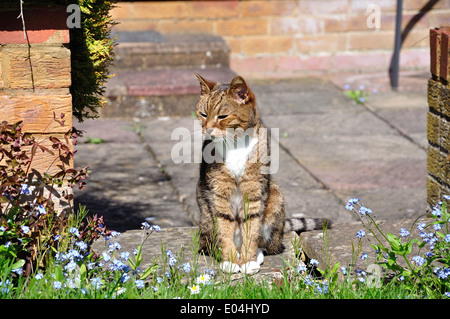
x=413, y=59
x=44, y=161
x=322, y=7
x=416, y=38
x=43, y=25
x=440, y=18
x=158, y=10
x=247, y=66
x=361, y=5
x=39, y=36
x=288, y=25
x=2, y=83
x=445, y=51
x=266, y=44
x=186, y=26
x=336, y=23
x=254, y=26
x=361, y=61
x=36, y=111
x=424, y=21
x=283, y=8
x=256, y=8
x=414, y=4
x=322, y=43
x=212, y=9
x=234, y=43
x=371, y=40
x=435, y=43
x=122, y=11
x=134, y=25
x=50, y=66
x=304, y=63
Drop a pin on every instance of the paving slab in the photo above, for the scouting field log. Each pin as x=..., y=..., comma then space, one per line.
x=340, y=244
x=331, y=149
x=304, y=195
x=126, y=185
x=355, y=152
x=182, y=242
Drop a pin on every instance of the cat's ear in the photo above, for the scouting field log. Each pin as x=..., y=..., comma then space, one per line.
x=205, y=85
x=239, y=90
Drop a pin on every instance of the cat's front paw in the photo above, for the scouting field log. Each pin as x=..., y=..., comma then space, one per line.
x=260, y=256
x=229, y=267
x=250, y=268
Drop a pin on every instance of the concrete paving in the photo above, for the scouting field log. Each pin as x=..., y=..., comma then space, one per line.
x=331, y=149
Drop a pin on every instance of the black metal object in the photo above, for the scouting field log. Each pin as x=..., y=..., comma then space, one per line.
x=393, y=71
x=400, y=37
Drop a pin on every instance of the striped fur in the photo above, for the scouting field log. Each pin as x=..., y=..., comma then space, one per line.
x=300, y=224
x=242, y=209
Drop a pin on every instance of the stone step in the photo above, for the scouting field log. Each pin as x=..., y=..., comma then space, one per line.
x=181, y=241
x=149, y=93
x=154, y=73
x=340, y=244
x=152, y=50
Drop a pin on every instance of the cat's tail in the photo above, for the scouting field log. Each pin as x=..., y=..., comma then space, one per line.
x=299, y=224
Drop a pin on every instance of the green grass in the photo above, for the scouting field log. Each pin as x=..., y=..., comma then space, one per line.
x=169, y=280
x=73, y=272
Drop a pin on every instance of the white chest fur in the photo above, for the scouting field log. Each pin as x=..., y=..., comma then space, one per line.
x=237, y=154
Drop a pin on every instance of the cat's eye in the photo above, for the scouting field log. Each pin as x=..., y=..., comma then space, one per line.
x=220, y=117
x=204, y=115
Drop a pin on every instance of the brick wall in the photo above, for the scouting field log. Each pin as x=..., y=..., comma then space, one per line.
x=438, y=125
x=282, y=37
x=35, y=78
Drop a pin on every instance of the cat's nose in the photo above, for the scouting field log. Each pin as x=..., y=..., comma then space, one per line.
x=209, y=130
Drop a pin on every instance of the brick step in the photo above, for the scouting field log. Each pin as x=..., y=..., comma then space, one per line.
x=153, y=92
x=153, y=50
x=154, y=73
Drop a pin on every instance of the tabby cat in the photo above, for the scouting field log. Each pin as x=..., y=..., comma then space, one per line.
x=242, y=210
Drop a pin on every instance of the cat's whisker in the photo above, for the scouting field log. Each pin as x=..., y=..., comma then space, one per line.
x=229, y=142
x=191, y=134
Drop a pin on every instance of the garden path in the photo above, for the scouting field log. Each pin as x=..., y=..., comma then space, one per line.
x=331, y=149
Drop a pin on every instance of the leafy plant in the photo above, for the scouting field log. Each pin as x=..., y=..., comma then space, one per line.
x=94, y=140
x=426, y=273
x=359, y=96
x=92, y=53
x=30, y=227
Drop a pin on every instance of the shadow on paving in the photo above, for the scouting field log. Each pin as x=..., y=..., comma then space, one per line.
x=126, y=185
x=117, y=215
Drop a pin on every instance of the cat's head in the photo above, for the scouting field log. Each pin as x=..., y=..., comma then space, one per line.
x=226, y=106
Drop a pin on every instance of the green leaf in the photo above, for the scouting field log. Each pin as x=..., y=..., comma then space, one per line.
x=394, y=241
x=139, y=256
x=148, y=272
x=18, y=264
x=407, y=250
x=322, y=272
x=95, y=140
x=392, y=259
x=379, y=248
x=335, y=268
x=13, y=212
x=406, y=273
x=83, y=272
x=59, y=276
x=132, y=264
